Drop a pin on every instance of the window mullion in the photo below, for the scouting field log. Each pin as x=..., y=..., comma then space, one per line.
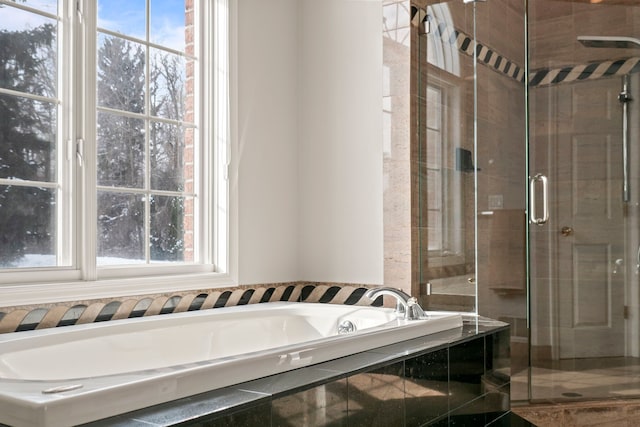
x=147, y=141
x=216, y=122
x=65, y=249
x=86, y=129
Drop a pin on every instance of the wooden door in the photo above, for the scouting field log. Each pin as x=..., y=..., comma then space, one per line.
x=587, y=188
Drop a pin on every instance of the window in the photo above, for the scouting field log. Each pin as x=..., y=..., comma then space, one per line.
x=445, y=137
x=106, y=160
x=445, y=183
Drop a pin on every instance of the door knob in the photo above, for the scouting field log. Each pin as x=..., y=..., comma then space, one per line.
x=566, y=231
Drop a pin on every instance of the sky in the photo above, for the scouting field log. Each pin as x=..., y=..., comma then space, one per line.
x=123, y=16
x=13, y=19
x=128, y=17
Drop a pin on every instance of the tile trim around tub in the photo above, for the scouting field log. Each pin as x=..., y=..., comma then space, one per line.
x=25, y=318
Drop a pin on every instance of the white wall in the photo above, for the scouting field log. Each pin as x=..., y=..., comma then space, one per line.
x=308, y=157
x=340, y=160
x=266, y=138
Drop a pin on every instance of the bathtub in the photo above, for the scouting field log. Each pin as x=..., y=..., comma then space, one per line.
x=76, y=374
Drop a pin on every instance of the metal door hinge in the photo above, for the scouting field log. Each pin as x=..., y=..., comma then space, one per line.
x=426, y=25
x=626, y=312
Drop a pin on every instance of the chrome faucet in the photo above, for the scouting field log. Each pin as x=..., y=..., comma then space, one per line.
x=407, y=307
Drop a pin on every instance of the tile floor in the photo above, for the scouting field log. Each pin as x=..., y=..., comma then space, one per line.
x=581, y=392
x=583, y=379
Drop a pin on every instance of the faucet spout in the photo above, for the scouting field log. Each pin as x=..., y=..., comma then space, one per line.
x=407, y=307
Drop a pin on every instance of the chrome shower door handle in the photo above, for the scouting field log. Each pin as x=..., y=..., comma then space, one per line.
x=532, y=199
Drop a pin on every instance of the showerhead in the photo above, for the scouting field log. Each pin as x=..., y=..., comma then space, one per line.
x=612, y=42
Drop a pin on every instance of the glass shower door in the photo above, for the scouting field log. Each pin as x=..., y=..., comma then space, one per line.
x=583, y=138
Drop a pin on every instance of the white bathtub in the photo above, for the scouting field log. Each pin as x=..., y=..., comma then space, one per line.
x=75, y=374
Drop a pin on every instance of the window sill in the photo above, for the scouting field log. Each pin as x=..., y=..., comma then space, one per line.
x=47, y=293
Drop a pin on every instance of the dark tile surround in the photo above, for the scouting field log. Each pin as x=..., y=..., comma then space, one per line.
x=457, y=378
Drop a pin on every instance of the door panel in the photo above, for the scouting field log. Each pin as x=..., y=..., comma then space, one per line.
x=588, y=188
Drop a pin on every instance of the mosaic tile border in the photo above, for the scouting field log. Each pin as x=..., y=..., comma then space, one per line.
x=590, y=71
x=486, y=55
x=25, y=318
x=541, y=77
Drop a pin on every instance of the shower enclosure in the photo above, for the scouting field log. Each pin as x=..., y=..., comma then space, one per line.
x=583, y=99
x=528, y=158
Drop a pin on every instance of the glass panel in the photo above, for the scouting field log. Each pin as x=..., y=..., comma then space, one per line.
x=167, y=229
x=472, y=169
x=121, y=156
x=586, y=343
x=167, y=85
x=123, y=16
x=28, y=135
x=169, y=22
x=446, y=113
x=120, y=228
x=27, y=227
x=500, y=169
x=28, y=58
x=121, y=71
x=167, y=156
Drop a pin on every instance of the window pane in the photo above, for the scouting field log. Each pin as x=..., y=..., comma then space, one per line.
x=27, y=139
x=149, y=143
x=167, y=156
x=167, y=228
x=434, y=147
x=434, y=230
x=168, y=22
x=167, y=85
x=121, y=70
x=27, y=227
x=49, y=6
x=120, y=228
x=434, y=108
x=120, y=151
x=434, y=189
x=28, y=58
x=123, y=16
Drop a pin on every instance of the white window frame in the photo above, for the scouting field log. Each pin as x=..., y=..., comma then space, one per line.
x=450, y=249
x=83, y=279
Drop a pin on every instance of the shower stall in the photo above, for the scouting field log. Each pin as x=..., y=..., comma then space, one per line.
x=528, y=163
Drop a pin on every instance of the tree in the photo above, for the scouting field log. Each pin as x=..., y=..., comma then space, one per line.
x=120, y=148
x=121, y=151
x=167, y=156
x=28, y=147
x=27, y=142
